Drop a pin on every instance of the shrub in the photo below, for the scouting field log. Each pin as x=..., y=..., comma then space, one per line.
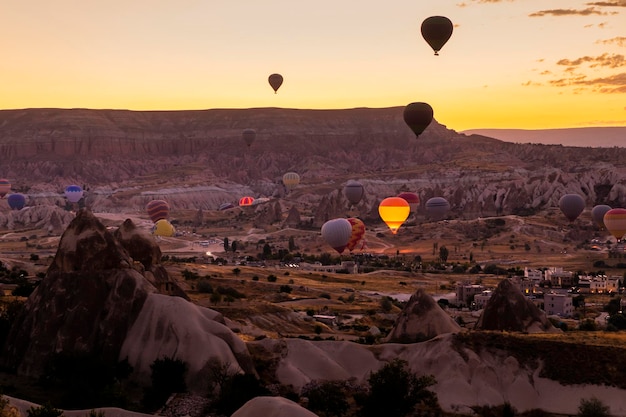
x=327, y=399
x=204, y=286
x=236, y=391
x=272, y=278
x=285, y=288
x=394, y=391
x=593, y=407
x=46, y=410
x=168, y=376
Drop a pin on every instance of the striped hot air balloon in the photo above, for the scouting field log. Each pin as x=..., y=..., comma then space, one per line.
x=394, y=211
x=291, y=180
x=246, y=201
x=358, y=231
x=437, y=207
x=157, y=210
x=5, y=187
x=615, y=222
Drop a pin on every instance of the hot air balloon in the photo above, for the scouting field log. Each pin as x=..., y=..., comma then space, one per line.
x=246, y=201
x=353, y=190
x=437, y=207
x=358, y=231
x=413, y=200
x=615, y=222
x=597, y=214
x=248, y=136
x=291, y=180
x=436, y=31
x=73, y=193
x=571, y=205
x=5, y=187
x=418, y=116
x=337, y=233
x=275, y=80
x=16, y=201
x=394, y=211
x=157, y=210
x=163, y=228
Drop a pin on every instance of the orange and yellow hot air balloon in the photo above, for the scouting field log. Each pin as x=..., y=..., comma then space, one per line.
x=615, y=222
x=394, y=211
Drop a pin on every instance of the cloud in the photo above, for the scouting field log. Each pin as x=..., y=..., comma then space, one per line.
x=604, y=60
x=619, y=41
x=567, y=12
x=482, y=2
x=613, y=84
x=614, y=3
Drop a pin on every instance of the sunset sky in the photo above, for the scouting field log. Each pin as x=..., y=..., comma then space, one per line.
x=528, y=64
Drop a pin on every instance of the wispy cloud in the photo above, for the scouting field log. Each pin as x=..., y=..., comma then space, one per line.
x=615, y=3
x=569, y=12
x=618, y=40
x=604, y=60
x=610, y=85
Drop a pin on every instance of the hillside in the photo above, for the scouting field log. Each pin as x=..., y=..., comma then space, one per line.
x=198, y=160
x=595, y=137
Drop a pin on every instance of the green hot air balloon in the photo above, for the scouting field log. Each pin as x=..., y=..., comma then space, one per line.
x=436, y=31
x=418, y=116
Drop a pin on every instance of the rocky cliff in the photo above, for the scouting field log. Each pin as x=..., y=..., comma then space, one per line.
x=198, y=160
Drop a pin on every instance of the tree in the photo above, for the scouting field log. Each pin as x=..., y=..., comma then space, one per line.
x=394, y=391
x=443, y=254
x=46, y=410
x=292, y=244
x=226, y=245
x=593, y=407
x=328, y=399
x=233, y=246
x=168, y=376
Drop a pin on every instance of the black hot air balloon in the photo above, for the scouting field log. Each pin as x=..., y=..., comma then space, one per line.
x=275, y=80
x=436, y=31
x=418, y=116
x=571, y=205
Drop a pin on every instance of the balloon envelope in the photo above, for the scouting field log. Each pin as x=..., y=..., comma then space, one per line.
x=158, y=210
x=571, y=205
x=291, y=180
x=246, y=201
x=615, y=222
x=16, y=201
x=354, y=191
x=436, y=30
x=413, y=200
x=394, y=211
x=163, y=228
x=358, y=231
x=73, y=193
x=418, y=116
x=275, y=80
x=337, y=233
x=5, y=187
x=437, y=207
x=248, y=136
x=597, y=214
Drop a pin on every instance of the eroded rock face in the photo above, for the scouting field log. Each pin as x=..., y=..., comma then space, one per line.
x=421, y=319
x=96, y=299
x=87, y=301
x=508, y=309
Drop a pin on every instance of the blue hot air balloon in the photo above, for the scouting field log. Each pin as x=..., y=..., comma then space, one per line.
x=73, y=193
x=16, y=201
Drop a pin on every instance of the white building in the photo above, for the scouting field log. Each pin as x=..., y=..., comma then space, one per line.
x=535, y=275
x=558, y=304
x=481, y=299
x=465, y=291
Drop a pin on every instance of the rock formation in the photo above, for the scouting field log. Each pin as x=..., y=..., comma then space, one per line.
x=509, y=310
x=272, y=407
x=421, y=319
x=95, y=300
